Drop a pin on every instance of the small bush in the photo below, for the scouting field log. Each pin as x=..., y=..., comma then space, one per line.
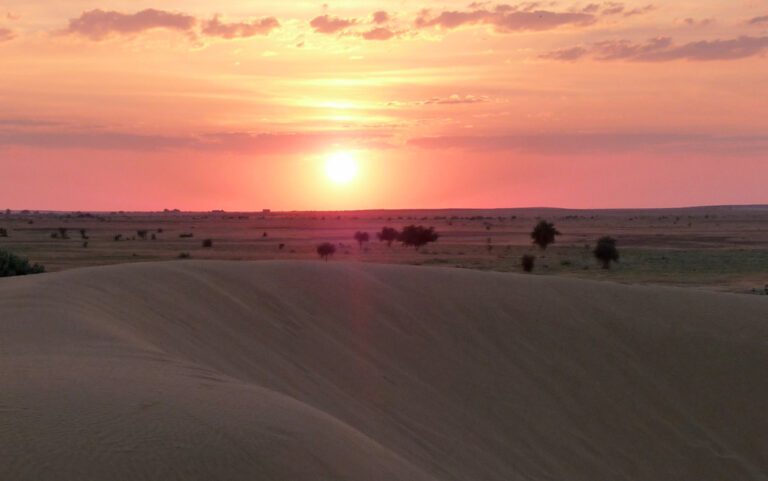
x=118, y=237
x=418, y=236
x=606, y=251
x=3, y=232
x=185, y=255
x=186, y=236
x=208, y=243
x=142, y=234
x=326, y=250
x=527, y=262
x=544, y=234
x=388, y=235
x=13, y=265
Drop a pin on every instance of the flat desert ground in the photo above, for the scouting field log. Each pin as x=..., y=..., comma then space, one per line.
x=716, y=248
x=297, y=370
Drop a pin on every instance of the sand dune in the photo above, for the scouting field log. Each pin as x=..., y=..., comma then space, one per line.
x=327, y=371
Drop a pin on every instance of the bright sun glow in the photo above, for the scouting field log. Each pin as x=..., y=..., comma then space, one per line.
x=341, y=168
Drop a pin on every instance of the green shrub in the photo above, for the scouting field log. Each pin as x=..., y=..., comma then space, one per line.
x=13, y=265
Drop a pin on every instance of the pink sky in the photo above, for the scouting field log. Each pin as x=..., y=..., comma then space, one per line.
x=201, y=105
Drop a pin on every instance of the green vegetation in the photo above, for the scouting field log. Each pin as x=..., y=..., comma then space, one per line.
x=13, y=265
x=325, y=250
x=544, y=234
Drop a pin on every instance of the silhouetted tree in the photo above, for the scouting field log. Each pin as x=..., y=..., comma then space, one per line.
x=63, y=233
x=3, y=232
x=361, y=237
x=606, y=251
x=388, y=235
x=527, y=262
x=142, y=234
x=13, y=265
x=83, y=234
x=544, y=234
x=417, y=236
x=208, y=243
x=325, y=250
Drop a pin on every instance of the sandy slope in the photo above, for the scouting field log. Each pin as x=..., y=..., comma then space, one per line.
x=314, y=371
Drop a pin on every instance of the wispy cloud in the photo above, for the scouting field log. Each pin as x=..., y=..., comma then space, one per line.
x=662, y=49
x=329, y=25
x=6, y=34
x=216, y=28
x=237, y=142
x=505, y=18
x=100, y=24
x=762, y=20
x=573, y=144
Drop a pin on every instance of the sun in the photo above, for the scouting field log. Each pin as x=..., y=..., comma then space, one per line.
x=341, y=168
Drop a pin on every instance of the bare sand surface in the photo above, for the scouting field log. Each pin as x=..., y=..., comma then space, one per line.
x=289, y=370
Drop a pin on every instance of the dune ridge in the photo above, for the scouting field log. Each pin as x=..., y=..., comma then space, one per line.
x=328, y=371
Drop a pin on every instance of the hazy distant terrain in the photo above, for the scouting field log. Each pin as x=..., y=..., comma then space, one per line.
x=720, y=248
x=313, y=371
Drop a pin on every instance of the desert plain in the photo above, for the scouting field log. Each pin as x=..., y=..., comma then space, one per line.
x=723, y=248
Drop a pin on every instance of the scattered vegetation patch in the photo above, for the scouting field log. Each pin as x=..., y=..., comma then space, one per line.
x=208, y=243
x=13, y=265
x=326, y=250
x=527, y=262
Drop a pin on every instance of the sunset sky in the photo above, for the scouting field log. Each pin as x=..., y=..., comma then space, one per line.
x=239, y=105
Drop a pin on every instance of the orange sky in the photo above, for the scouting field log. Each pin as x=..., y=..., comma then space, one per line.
x=201, y=105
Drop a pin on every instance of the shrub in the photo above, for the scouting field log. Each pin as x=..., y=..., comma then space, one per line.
x=361, y=237
x=142, y=234
x=417, y=236
x=208, y=243
x=118, y=237
x=527, y=262
x=83, y=234
x=186, y=236
x=3, y=232
x=63, y=233
x=388, y=235
x=606, y=251
x=185, y=255
x=325, y=250
x=544, y=234
x=13, y=265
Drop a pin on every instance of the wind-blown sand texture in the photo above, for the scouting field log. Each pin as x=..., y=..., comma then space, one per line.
x=329, y=371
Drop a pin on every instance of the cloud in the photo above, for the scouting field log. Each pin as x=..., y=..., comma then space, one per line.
x=574, y=144
x=379, y=33
x=99, y=24
x=6, y=34
x=457, y=99
x=758, y=20
x=234, y=142
x=505, y=18
x=698, y=23
x=640, y=11
x=591, y=8
x=216, y=28
x=613, y=8
x=565, y=54
x=380, y=17
x=12, y=16
x=327, y=24
x=450, y=100
x=662, y=49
